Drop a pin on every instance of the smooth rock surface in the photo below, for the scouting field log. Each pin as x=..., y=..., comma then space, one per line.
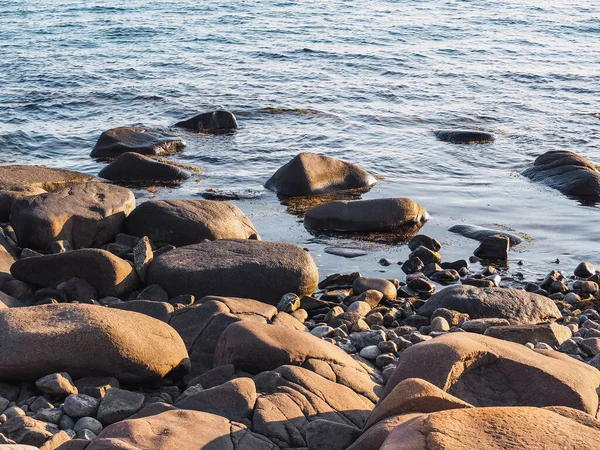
x=260, y=270
x=146, y=141
x=310, y=174
x=185, y=222
x=137, y=169
x=481, y=233
x=464, y=136
x=215, y=121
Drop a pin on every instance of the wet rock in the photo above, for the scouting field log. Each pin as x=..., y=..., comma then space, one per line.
x=56, y=384
x=185, y=222
x=500, y=373
x=119, y=404
x=264, y=271
x=464, y=136
x=493, y=248
x=481, y=233
x=422, y=287
x=310, y=174
x=346, y=252
x=412, y=265
x=110, y=275
x=146, y=141
x=445, y=276
x=134, y=168
x=425, y=255
x=425, y=241
x=386, y=215
x=129, y=346
x=215, y=121
x=515, y=305
x=567, y=172
x=86, y=215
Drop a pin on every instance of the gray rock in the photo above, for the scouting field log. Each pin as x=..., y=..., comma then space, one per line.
x=136, y=169
x=322, y=331
x=363, y=284
x=439, y=324
x=38, y=404
x=66, y=423
x=567, y=172
x=119, y=404
x=481, y=233
x=80, y=405
x=515, y=305
x=289, y=303
x=493, y=248
x=464, y=136
x=585, y=270
x=142, y=256
x=364, y=339
x=425, y=241
x=50, y=415
x=88, y=423
x=146, y=141
x=481, y=325
x=370, y=352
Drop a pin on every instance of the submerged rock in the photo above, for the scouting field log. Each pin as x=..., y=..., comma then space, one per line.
x=138, y=169
x=146, y=141
x=261, y=270
x=566, y=171
x=464, y=136
x=50, y=338
x=210, y=122
x=311, y=173
x=86, y=215
x=480, y=233
x=185, y=222
x=388, y=215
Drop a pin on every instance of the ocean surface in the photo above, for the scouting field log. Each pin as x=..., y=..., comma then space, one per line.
x=364, y=81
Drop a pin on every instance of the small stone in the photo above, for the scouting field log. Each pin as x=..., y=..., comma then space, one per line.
x=370, y=352
x=359, y=325
x=142, y=256
x=590, y=345
x=543, y=346
x=39, y=403
x=118, y=404
x=439, y=324
x=424, y=288
x=480, y=325
x=589, y=287
x=456, y=265
x=388, y=347
x=570, y=346
x=413, y=265
x=402, y=343
x=50, y=415
x=88, y=423
x=426, y=255
x=493, y=248
x=322, y=331
x=364, y=339
x=478, y=282
x=445, y=276
x=288, y=303
x=416, y=321
x=385, y=359
x=14, y=411
x=385, y=262
x=424, y=241
x=454, y=318
x=56, y=384
x=372, y=297
x=155, y=293
x=417, y=338
x=80, y=405
x=430, y=269
x=374, y=319
x=85, y=434
x=66, y=423
x=572, y=298
x=362, y=308
x=96, y=386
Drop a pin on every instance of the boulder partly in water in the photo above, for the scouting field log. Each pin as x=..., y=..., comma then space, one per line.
x=146, y=141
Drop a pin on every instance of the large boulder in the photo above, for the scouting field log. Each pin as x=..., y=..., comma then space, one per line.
x=494, y=428
x=21, y=181
x=87, y=340
x=215, y=121
x=235, y=268
x=146, y=141
x=133, y=168
x=176, y=429
x=484, y=371
x=109, y=274
x=256, y=347
x=386, y=215
x=185, y=222
x=515, y=305
x=86, y=215
x=464, y=136
x=311, y=173
x=481, y=233
x=566, y=171
x=201, y=324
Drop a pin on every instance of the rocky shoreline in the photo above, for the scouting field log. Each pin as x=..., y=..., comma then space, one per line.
x=170, y=324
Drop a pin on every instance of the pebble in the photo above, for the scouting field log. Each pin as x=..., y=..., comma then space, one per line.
x=80, y=405
x=364, y=339
x=439, y=324
x=370, y=352
x=288, y=303
x=322, y=331
x=57, y=384
x=88, y=423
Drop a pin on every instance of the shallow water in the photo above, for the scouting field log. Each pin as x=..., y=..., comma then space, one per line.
x=365, y=81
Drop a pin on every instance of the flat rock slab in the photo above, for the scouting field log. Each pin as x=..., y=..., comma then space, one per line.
x=109, y=274
x=133, y=168
x=515, y=305
x=346, y=252
x=495, y=428
x=86, y=215
x=146, y=141
x=484, y=371
x=568, y=172
x=464, y=136
x=185, y=222
x=481, y=233
x=87, y=340
x=311, y=173
x=21, y=181
x=264, y=271
x=210, y=122
x=387, y=215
